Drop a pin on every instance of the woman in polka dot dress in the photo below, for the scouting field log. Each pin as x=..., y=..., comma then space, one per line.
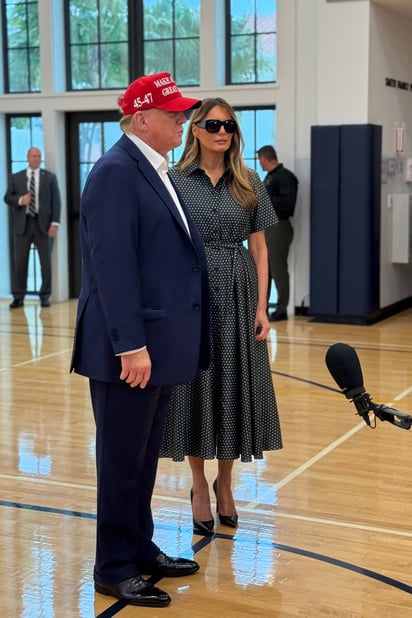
x=229, y=411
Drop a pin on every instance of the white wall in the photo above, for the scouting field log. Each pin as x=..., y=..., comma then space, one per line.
x=343, y=53
x=342, y=62
x=330, y=68
x=391, y=56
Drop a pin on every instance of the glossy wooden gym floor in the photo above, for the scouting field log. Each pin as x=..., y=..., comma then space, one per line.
x=324, y=525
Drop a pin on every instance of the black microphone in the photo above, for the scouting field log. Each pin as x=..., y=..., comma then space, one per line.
x=344, y=366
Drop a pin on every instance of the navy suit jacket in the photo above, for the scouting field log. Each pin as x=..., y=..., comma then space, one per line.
x=49, y=200
x=144, y=279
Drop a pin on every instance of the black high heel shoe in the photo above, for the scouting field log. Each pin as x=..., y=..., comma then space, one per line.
x=225, y=520
x=202, y=527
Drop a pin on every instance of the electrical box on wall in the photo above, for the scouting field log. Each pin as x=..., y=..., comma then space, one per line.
x=401, y=228
x=408, y=169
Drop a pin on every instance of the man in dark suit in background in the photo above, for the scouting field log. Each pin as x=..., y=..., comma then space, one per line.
x=34, y=196
x=282, y=186
x=142, y=327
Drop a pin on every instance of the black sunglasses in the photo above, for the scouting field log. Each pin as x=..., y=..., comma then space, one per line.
x=213, y=126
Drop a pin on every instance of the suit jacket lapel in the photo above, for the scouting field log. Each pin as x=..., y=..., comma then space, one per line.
x=153, y=178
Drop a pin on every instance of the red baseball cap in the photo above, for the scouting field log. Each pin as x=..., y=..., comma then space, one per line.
x=155, y=91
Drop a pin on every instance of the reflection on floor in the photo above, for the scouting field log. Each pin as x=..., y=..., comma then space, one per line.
x=323, y=524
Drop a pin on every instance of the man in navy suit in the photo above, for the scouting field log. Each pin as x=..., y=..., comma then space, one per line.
x=142, y=327
x=36, y=218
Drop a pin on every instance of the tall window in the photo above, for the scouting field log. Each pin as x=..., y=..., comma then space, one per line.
x=95, y=138
x=251, y=38
x=24, y=132
x=258, y=128
x=97, y=32
x=22, y=45
x=172, y=39
x=111, y=42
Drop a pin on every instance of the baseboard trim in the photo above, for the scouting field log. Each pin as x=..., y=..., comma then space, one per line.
x=365, y=320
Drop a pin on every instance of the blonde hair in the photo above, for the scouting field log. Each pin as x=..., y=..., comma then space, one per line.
x=126, y=123
x=239, y=178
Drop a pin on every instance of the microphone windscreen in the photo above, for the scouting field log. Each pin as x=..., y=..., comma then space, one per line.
x=344, y=366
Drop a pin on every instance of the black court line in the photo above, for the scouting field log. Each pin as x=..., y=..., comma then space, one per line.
x=323, y=558
x=306, y=381
x=46, y=509
x=204, y=541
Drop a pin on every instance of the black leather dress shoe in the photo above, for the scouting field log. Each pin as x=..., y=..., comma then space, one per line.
x=164, y=566
x=16, y=303
x=45, y=302
x=136, y=591
x=277, y=316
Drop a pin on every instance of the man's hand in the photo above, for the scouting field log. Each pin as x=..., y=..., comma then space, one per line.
x=136, y=368
x=52, y=231
x=25, y=200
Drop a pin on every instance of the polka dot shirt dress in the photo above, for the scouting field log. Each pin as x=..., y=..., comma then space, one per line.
x=229, y=410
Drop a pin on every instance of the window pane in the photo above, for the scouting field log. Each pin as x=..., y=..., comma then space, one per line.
x=113, y=65
x=243, y=59
x=158, y=19
x=252, y=41
x=18, y=64
x=98, y=44
x=25, y=131
x=85, y=63
x=266, y=16
x=186, y=72
x=34, y=73
x=16, y=17
x=258, y=128
x=266, y=58
x=242, y=16
x=22, y=46
x=95, y=138
x=113, y=20
x=158, y=57
x=187, y=19
x=172, y=38
x=83, y=21
x=33, y=25
x=111, y=133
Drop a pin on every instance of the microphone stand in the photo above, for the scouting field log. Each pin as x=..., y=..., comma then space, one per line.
x=384, y=413
x=364, y=405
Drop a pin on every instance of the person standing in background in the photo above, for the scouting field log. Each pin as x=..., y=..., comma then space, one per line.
x=229, y=410
x=34, y=196
x=142, y=327
x=282, y=186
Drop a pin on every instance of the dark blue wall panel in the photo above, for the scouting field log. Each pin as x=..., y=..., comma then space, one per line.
x=324, y=236
x=345, y=222
x=359, y=219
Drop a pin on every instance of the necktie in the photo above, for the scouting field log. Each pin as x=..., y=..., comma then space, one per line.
x=32, y=189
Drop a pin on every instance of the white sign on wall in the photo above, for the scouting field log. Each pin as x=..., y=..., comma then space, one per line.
x=399, y=137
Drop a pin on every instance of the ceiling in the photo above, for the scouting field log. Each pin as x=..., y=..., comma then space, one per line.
x=404, y=7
